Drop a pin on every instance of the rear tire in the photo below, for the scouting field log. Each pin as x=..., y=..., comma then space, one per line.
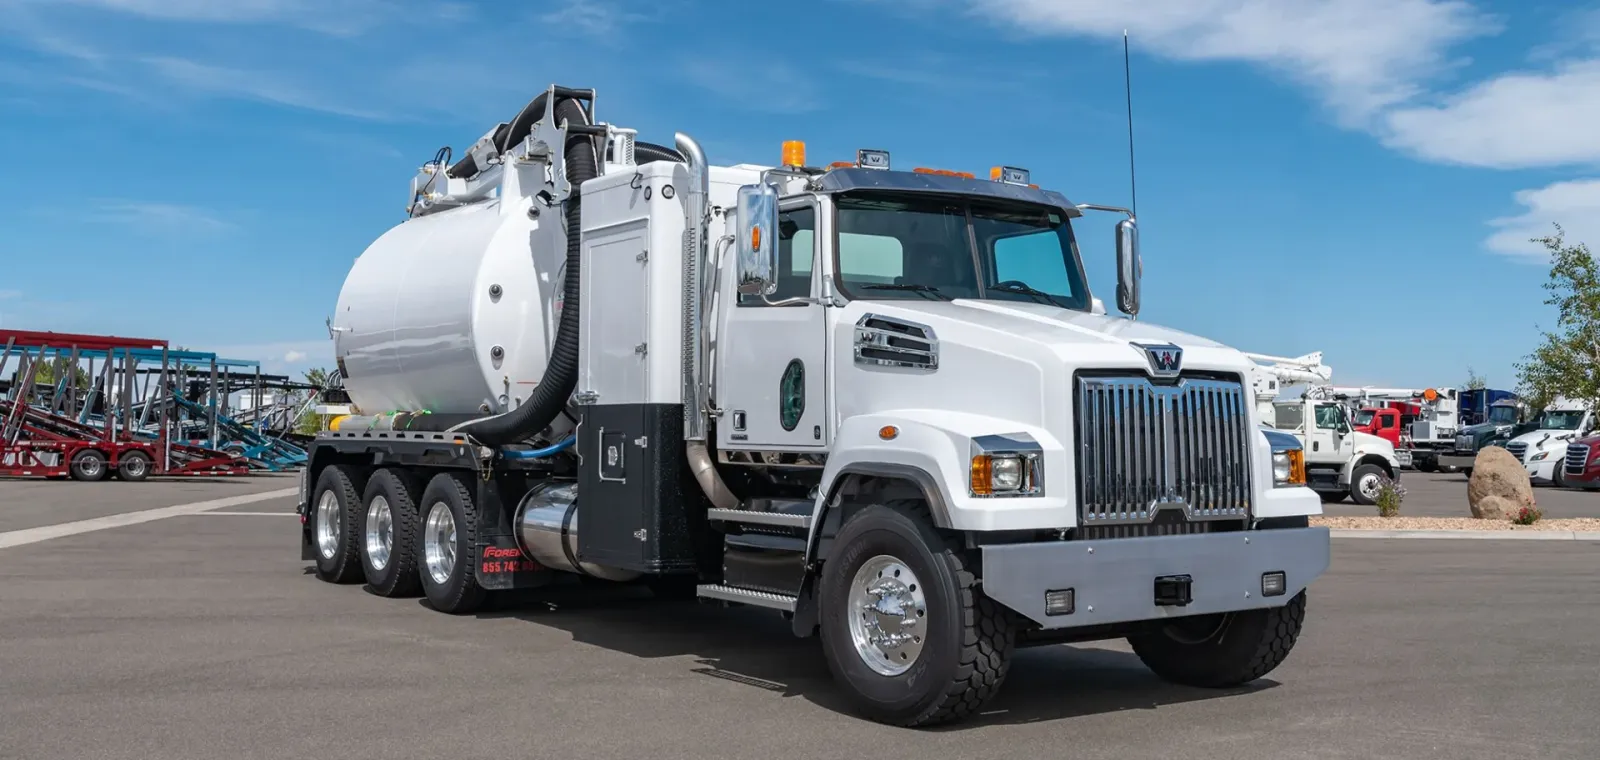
x=389, y=530
x=960, y=642
x=336, y=524
x=448, y=551
x=89, y=466
x=1222, y=651
x=133, y=466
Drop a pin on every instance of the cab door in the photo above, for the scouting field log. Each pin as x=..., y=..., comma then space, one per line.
x=771, y=351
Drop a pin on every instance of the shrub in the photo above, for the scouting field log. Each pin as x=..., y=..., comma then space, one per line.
x=1527, y=516
x=1390, y=494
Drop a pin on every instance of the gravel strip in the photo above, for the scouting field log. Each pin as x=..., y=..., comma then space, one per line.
x=1578, y=524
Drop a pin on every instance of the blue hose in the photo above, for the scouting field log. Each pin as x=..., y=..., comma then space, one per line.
x=541, y=453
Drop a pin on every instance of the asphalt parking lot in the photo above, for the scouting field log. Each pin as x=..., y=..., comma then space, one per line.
x=200, y=634
x=1445, y=495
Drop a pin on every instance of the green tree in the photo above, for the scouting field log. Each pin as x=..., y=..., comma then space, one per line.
x=1567, y=360
x=310, y=422
x=1475, y=381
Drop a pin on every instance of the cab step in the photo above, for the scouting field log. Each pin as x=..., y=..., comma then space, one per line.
x=747, y=596
x=785, y=513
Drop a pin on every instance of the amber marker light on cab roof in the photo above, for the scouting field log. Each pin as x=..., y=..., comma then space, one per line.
x=794, y=153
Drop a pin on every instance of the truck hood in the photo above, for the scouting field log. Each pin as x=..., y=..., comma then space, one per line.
x=1089, y=340
x=1547, y=440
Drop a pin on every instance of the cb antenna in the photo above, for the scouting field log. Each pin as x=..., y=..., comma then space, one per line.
x=1127, y=85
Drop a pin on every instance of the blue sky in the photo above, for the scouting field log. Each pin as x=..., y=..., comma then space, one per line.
x=1357, y=177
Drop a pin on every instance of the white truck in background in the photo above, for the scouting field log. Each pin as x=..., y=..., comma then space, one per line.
x=1340, y=462
x=884, y=403
x=1543, y=450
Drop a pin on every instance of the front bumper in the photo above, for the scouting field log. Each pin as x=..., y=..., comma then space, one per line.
x=1542, y=471
x=1458, y=459
x=1113, y=580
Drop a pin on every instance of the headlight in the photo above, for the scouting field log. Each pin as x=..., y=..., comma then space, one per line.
x=1539, y=456
x=1288, y=459
x=1289, y=468
x=1006, y=465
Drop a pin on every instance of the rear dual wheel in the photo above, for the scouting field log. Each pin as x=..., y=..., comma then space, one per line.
x=89, y=466
x=389, y=534
x=336, y=524
x=449, y=545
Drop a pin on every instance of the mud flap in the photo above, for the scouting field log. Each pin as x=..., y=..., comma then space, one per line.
x=503, y=567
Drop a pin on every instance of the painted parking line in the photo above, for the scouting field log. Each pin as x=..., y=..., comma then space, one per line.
x=45, y=533
x=248, y=514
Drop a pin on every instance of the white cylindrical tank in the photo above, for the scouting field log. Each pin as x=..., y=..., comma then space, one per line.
x=452, y=312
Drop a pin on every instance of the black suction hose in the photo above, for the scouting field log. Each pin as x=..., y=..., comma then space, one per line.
x=561, y=374
x=644, y=153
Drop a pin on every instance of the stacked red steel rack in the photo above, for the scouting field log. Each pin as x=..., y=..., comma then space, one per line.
x=37, y=439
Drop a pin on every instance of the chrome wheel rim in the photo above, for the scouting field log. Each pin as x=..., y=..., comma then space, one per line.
x=328, y=524
x=135, y=466
x=887, y=607
x=1369, y=486
x=89, y=466
x=439, y=543
x=380, y=532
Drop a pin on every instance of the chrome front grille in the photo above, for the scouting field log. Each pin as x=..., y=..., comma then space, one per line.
x=1144, y=448
x=1518, y=449
x=1464, y=442
x=1577, y=458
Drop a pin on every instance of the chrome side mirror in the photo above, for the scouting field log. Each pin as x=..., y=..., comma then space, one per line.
x=756, y=240
x=1129, y=267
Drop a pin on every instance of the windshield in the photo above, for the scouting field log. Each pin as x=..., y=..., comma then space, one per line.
x=911, y=247
x=1568, y=420
x=1503, y=415
x=1363, y=417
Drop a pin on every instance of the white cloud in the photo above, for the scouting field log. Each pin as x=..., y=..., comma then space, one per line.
x=786, y=90
x=252, y=85
x=1360, y=56
x=1574, y=204
x=596, y=18
x=293, y=357
x=331, y=17
x=1514, y=120
x=156, y=217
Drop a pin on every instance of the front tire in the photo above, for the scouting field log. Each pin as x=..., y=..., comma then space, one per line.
x=448, y=553
x=389, y=534
x=904, y=625
x=336, y=524
x=1365, y=482
x=1222, y=651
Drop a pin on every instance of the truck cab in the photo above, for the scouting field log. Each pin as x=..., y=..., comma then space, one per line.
x=1502, y=420
x=1383, y=422
x=1340, y=460
x=1542, y=450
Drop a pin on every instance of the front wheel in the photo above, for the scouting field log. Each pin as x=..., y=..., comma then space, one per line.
x=905, y=627
x=1222, y=651
x=1364, y=484
x=89, y=466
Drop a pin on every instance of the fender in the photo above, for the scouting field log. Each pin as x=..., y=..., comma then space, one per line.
x=931, y=450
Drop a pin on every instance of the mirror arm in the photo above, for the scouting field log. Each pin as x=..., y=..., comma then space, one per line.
x=1098, y=207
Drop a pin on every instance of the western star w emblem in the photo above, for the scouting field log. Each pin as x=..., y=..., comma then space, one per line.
x=1166, y=360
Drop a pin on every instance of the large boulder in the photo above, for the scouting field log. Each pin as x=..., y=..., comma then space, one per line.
x=1499, y=487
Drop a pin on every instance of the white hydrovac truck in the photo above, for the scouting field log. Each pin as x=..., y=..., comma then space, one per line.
x=882, y=402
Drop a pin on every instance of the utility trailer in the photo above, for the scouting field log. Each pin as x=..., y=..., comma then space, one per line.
x=87, y=423
x=882, y=403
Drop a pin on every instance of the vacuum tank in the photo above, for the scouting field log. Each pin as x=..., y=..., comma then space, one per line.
x=452, y=312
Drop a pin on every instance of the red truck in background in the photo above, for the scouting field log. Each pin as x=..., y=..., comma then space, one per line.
x=1582, y=464
x=1384, y=422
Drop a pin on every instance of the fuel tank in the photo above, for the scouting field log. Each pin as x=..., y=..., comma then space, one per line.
x=452, y=312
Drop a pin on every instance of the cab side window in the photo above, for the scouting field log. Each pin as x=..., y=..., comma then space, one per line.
x=796, y=248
